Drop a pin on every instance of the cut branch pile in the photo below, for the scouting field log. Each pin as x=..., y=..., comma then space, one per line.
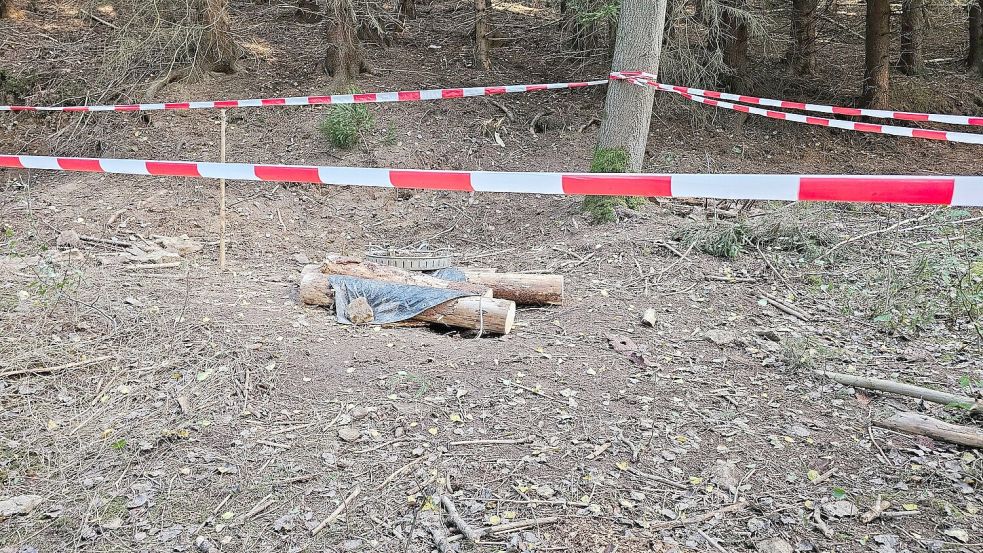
x=490, y=309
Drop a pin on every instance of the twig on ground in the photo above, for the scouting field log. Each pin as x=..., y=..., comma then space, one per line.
x=655, y=478
x=510, y=527
x=455, y=518
x=910, y=390
x=56, y=368
x=525, y=440
x=337, y=512
x=699, y=518
x=399, y=471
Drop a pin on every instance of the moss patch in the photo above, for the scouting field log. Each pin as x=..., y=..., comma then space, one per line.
x=603, y=209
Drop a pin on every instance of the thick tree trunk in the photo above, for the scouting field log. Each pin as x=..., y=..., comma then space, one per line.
x=733, y=43
x=221, y=50
x=803, y=53
x=975, y=58
x=628, y=107
x=5, y=8
x=876, y=85
x=343, y=58
x=482, y=33
x=912, y=61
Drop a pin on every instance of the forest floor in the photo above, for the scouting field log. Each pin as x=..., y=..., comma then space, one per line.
x=214, y=412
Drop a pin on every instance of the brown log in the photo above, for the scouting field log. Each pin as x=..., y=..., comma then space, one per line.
x=521, y=288
x=489, y=315
x=485, y=314
x=354, y=267
x=921, y=425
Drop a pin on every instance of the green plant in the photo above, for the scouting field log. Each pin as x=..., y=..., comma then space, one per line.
x=603, y=209
x=346, y=124
x=717, y=239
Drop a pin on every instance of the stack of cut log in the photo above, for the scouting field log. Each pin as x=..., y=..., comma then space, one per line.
x=490, y=309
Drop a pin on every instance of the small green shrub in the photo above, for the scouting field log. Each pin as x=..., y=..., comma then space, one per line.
x=346, y=124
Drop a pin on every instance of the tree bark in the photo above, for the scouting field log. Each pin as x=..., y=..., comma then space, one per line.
x=876, y=85
x=343, y=58
x=221, y=51
x=628, y=107
x=523, y=289
x=482, y=32
x=733, y=43
x=921, y=425
x=803, y=53
x=5, y=8
x=912, y=61
x=975, y=57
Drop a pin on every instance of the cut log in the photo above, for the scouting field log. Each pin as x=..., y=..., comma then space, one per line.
x=971, y=405
x=921, y=425
x=485, y=314
x=315, y=289
x=491, y=315
x=354, y=267
x=521, y=288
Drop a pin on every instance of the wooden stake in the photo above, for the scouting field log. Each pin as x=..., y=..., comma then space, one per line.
x=221, y=209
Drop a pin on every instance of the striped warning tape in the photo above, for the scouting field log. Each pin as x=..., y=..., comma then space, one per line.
x=367, y=98
x=938, y=190
x=947, y=136
x=817, y=108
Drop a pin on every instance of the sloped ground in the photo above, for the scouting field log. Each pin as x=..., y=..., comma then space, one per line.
x=219, y=414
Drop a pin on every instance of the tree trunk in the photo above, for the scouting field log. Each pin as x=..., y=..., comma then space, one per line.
x=803, y=53
x=733, y=43
x=876, y=85
x=912, y=61
x=975, y=58
x=221, y=51
x=482, y=32
x=5, y=8
x=343, y=58
x=406, y=9
x=627, y=113
x=628, y=107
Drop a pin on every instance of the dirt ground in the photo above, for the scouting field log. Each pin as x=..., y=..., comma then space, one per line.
x=209, y=411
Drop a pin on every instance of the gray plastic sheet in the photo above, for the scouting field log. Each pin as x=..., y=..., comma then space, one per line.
x=391, y=303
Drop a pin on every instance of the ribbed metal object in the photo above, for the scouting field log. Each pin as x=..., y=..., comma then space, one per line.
x=422, y=259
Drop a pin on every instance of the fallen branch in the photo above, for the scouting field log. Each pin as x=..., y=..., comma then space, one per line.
x=784, y=307
x=525, y=440
x=56, y=368
x=399, y=471
x=943, y=398
x=337, y=512
x=922, y=425
x=655, y=478
x=466, y=530
x=698, y=518
x=510, y=527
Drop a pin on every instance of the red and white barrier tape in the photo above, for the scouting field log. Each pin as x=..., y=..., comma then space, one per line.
x=818, y=108
x=947, y=136
x=367, y=98
x=956, y=191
